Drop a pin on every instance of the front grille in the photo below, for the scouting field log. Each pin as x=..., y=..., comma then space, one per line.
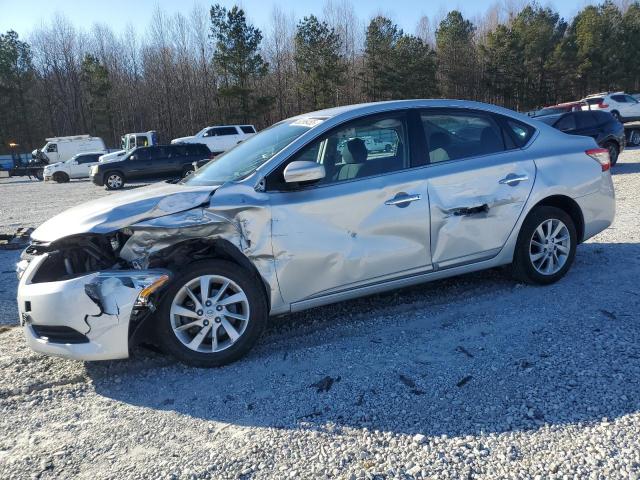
x=59, y=334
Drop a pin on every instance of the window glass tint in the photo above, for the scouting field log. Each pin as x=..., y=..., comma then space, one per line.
x=521, y=132
x=87, y=159
x=221, y=131
x=585, y=120
x=142, y=141
x=142, y=153
x=566, y=123
x=210, y=133
x=359, y=149
x=619, y=98
x=247, y=129
x=630, y=99
x=52, y=148
x=602, y=117
x=453, y=135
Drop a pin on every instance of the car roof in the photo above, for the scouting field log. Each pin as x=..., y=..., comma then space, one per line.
x=373, y=107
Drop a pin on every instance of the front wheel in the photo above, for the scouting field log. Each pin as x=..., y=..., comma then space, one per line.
x=61, y=177
x=114, y=181
x=546, y=246
x=212, y=314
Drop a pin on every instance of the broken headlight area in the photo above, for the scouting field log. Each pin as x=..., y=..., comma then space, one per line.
x=73, y=256
x=106, y=288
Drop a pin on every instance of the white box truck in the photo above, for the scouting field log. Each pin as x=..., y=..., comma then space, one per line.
x=130, y=141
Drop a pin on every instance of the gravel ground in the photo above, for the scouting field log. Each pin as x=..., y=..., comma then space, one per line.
x=473, y=377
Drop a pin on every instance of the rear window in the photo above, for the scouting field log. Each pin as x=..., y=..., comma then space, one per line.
x=594, y=100
x=247, y=129
x=585, y=119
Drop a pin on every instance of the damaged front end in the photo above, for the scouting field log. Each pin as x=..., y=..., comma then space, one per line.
x=78, y=299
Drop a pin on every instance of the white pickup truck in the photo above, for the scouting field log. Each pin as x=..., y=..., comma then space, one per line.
x=219, y=138
x=130, y=141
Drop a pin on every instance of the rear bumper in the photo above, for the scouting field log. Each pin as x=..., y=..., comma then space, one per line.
x=60, y=318
x=598, y=208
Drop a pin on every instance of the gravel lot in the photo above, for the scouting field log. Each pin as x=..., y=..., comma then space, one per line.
x=475, y=377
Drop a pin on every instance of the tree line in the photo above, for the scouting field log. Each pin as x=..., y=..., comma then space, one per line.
x=213, y=66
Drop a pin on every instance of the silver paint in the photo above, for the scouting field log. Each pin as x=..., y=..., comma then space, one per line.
x=330, y=243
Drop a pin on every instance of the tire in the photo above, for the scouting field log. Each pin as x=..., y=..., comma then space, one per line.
x=249, y=314
x=113, y=180
x=634, y=137
x=614, y=152
x=61, y=177
x=537, y=272
x=39, y=175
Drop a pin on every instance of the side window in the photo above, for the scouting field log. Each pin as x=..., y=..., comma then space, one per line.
x=142, y=141
x=86, y=159
x=210, y=133
x=566, y=123
x=177, y=151
x=630, y=99
x=521, y=132
x=619, y=98
x=224, y=131
x=247, y=129
x=52, y=148
x=456, y=135
x=358, y=149
x=585, y=120
x=142, y=154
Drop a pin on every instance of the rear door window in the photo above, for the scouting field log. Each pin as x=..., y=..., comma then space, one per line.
x=619, y=98
x=520, y=132
x=455, y=135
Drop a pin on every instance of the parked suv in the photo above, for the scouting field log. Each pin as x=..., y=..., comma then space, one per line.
x=149, y=162
x=77, y=166
x=599, y=125
x=622, y=106
x=221, y=138
x=304, y=214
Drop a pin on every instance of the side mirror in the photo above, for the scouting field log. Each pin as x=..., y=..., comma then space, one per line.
x=133, y=157
x=303, y=171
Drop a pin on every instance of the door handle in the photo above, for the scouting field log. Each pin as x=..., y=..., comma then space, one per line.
x=513, y=179
x=403, y=199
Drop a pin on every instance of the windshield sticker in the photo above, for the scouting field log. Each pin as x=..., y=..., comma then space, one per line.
x=307, y=122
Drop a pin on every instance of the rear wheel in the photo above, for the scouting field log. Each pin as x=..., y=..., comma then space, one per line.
x=212, y=315
x=61, y=177
x=546, y=246
x=614, y=151
x=113, y=180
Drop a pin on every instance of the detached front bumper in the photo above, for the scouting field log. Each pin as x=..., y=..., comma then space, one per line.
x=86, y=317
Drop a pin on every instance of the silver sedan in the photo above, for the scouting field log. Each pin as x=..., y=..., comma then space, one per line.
x=316, y=209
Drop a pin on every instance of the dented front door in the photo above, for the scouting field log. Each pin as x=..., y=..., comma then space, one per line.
x=335, y=237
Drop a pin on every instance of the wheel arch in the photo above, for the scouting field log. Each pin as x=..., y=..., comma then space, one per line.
x=568, y=205
x=180, y=255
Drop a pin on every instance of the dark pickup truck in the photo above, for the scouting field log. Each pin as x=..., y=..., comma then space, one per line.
x=158, y=161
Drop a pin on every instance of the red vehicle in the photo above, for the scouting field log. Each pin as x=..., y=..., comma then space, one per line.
x=560, y=108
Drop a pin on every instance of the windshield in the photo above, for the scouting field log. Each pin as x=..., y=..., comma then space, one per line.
x=247, y=156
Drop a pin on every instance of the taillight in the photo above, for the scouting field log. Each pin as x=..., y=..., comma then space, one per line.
x=603, y=105
x=600, y=155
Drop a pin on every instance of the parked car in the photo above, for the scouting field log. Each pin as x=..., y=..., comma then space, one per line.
x=130, y=141
x=601, y=126
x=77, y=166
x=221, y=138
x=560, y=108
x=60, y=149
x=622, y=106
x=288, y=221
x=149, y=162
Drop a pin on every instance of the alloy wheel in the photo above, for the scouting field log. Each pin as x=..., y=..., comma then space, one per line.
x=550, y=246
x=114, y=181
x=209, y=313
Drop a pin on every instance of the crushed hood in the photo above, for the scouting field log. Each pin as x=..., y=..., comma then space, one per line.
x=117, y=211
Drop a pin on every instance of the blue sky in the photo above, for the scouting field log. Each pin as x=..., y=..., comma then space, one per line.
x=23, y=15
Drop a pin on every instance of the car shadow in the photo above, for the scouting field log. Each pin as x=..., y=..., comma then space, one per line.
x=475, y=354
x=625, y=168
